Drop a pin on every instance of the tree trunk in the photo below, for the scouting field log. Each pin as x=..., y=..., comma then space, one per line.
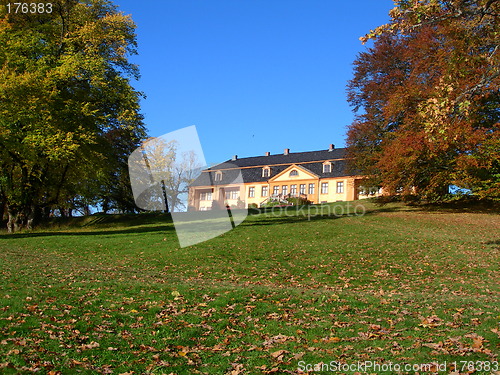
x=105, y=205
x=30, y=218
x=18, y=219
x=164, y=194
x=12, y=219
x=3, y=207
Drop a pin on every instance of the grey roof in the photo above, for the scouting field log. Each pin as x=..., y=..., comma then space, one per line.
x=277, y=163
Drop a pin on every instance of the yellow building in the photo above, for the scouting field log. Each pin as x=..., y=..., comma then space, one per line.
x=318, y=176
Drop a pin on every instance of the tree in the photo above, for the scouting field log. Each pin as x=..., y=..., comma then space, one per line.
x=427, y=99
x=161, y=174
x=65, y=91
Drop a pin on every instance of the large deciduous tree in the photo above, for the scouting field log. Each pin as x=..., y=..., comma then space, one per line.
x=68, y=113
x=427, y=98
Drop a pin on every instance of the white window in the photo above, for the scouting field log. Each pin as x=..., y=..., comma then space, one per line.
x=218, y=176
x=206, y=196
x=302, y=188
x=265, y=191
x=284, y=189
x=311, y=188
x=266, y=172
x=293, y=190
x=294, y=173
x=251, y=192
x=340, y=187
x=232, y=194
x=324, y=188
x=276, y=190
x=327, y=168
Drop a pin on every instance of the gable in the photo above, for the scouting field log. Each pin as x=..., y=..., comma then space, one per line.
x=302, y=174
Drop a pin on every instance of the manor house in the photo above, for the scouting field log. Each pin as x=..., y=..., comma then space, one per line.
x=318, y=176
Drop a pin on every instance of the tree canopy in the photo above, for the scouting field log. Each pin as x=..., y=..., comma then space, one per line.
x=69, y=116
x=427, y=100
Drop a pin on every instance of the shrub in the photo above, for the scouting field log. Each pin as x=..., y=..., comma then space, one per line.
x=272, y=204
x=299, y=201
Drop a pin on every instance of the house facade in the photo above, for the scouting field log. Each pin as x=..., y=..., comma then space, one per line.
x=318, y=176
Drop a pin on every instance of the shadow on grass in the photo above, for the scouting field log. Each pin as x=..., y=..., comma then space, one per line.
x=465, y=205
x=457, y=208
x=494, y=242
x=97, y=232
x=292, y=217
x=158, y=222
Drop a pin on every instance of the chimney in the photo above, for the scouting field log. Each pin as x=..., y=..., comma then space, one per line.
x=235, y=157
x=268, y=153
x=287, y=151
x=332, y=147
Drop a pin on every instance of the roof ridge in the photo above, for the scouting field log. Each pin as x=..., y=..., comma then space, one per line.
x=289, y=153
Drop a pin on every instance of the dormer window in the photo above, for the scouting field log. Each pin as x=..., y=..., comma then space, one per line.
x=266, y=172
x=218, y=176
x=294, y=173
x=327, y=167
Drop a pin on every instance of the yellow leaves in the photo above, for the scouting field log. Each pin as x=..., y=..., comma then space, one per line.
x=57, y=146
x=477, y=342
x=278, y=355
x=333, y=339
x=434, y=346
x=431, y=322
x=176, y=295
x=237, y=369
x=377, y=32
x=92, y=345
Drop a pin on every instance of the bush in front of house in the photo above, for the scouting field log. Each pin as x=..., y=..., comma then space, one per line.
x=298, y=201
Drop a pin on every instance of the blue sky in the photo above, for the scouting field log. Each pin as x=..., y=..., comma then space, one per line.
x=252, y=75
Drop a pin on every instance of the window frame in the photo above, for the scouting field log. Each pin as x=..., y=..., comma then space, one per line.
x=251, y=192
x=206, y=196
x=340, y=187
x=324, y=188
x=232, y=194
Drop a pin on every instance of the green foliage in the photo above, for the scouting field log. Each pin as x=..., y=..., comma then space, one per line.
x=68, y=114
x=272, y=204
x=298, y=201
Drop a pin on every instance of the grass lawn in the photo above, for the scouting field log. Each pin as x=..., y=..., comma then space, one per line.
x=278, y=294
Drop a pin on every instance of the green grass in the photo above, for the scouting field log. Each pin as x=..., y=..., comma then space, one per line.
x=116, y=294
